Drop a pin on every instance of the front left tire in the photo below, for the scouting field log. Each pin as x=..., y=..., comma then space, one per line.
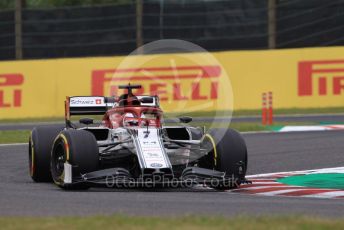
x=79, y=149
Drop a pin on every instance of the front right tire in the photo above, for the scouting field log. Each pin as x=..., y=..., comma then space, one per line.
x=227, y=152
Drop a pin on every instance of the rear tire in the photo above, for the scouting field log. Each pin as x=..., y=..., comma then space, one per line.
x=40, y=145
x=78, y=148
x=227, y=153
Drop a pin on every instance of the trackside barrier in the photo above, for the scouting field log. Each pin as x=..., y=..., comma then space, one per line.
x=264, y=109
x=299, y=78
x=267, y=108
x=271, y=113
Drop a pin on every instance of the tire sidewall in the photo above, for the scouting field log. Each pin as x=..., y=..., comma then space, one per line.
x=228, y=150
x=40, y=144
x=80, y=151
x=231, y=149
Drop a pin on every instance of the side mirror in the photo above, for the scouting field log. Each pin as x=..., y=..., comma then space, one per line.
x=110, y=99
x=185, y=119
x=86, y=121
x=146, y=100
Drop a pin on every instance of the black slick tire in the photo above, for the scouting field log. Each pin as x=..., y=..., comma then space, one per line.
x=77, y=148
x=227, y=152
x=40, y=145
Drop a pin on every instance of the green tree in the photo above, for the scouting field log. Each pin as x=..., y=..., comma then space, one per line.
x=6, y=4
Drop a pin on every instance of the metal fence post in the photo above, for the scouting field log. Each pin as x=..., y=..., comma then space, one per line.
x=161, y=19
x=139, y=37
x=272, y=24
x=18, y=28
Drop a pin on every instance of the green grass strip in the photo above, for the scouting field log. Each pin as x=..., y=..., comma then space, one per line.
x=237, y=113
x=14, y=136
x=180, y=223
x=22, y=136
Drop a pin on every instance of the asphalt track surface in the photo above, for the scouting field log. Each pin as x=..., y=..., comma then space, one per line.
x=268, y=152
x=327, y=118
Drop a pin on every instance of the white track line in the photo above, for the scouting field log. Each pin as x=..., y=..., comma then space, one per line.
x=278, y=192
x=257, y=132
x=321, y=170
x=264, y=187
x=13, y=144
x=265, y=183
x=327, y=194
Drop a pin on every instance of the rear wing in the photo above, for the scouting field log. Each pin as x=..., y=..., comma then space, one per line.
x=87, y=105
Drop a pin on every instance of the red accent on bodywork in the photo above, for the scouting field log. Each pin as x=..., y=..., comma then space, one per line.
x=109, y=119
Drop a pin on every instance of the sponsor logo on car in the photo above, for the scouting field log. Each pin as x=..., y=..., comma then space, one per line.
x=86, y=101
x=156, y=165
x=81, y=102
x=325, y=77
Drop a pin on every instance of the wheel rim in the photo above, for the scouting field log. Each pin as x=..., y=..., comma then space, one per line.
x=58, y=159
x=208, y=160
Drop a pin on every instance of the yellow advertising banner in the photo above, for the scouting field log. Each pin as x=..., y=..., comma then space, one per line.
x=298, y=78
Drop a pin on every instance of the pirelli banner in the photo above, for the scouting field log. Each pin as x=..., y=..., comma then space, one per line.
x=298, y=78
